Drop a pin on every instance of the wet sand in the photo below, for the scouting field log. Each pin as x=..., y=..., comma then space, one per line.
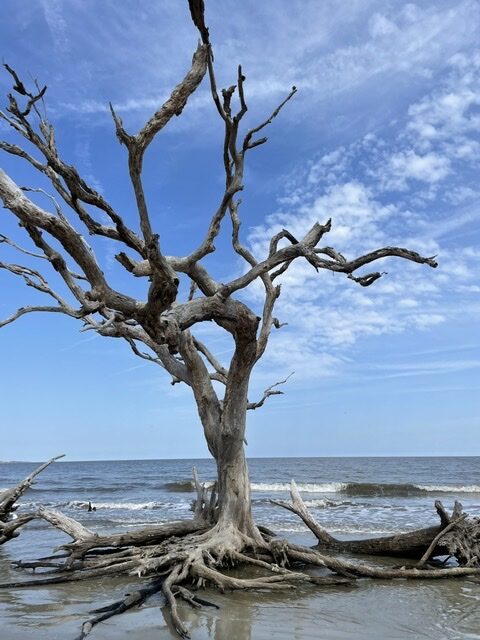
x=400, y=610
x=368, y=611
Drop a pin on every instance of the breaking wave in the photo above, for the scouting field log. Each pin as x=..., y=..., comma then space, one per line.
x=323, y=504
x=446, y=488
x=184, y=486
x=307, y=487
x=367, y=488
x=381, y=489
x=129, y=506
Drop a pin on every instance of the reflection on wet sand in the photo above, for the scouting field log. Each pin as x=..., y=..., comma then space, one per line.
x=370, y=610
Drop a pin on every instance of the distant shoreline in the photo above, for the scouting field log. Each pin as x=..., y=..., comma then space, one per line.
x=363, y=457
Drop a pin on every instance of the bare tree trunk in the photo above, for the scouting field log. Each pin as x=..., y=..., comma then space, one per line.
x=224, y=424
x=457, y=535
x=234, y=501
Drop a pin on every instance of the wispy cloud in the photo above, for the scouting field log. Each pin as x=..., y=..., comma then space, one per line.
x=417, y=159
x=53, y=11
x=332, y=49
x=433, y=367
x=80, y=343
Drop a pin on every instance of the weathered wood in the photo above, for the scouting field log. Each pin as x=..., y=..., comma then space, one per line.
x=9, y=497
x=134, y=599
x=456, y=536
x=401, y=545
x=364, y=570
x=68, y=525
x=9, y=530
x=463, y=540
x=433, y=546
x=298, y=507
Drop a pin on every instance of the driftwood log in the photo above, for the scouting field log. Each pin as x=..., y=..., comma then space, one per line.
x=456, y=536
x=9, y=499
x=182, y=556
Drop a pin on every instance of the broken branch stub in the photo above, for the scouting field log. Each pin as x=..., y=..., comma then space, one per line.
x=9, y=497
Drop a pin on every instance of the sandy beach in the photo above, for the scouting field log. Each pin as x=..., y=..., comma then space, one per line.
x=352, y=497
x=375, y=612
x=446, y=609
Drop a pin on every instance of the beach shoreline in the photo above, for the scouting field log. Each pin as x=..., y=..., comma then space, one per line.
x=367, y=610
x=352, y=498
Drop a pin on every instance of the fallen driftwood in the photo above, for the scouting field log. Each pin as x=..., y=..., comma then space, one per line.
x=179, y=557
x=456, y=535
x=9, y=497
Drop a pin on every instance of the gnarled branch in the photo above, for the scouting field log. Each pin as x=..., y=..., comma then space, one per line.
x=269, y=391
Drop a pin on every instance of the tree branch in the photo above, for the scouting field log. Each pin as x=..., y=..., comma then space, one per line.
x=269, y=391
x=9, y=497
x=306, y=249
x=221, y=371
x=298, y=507
x=248, y=143
x=31, y=215
x=5, y=240
x=164, y=287
x=50, y=309
x=74, y=189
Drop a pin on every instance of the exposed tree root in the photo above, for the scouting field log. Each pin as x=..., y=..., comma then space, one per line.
x=186, y=555
x=457, y=535
x=134, y=599
x=205, y=557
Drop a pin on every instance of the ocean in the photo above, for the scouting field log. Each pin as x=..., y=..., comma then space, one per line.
x=351, y=497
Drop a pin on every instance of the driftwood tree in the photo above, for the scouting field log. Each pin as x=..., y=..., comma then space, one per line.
x=222, y=530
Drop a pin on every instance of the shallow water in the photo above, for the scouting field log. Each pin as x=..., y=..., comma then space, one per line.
x=350, y=496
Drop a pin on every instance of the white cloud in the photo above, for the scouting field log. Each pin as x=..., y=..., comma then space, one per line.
x=56, y=22
x=452, y=109
x=437, y=141
x=430, y=157
x=430, y=167
x=329, y=312
x=380, y=26
x=356, y=217
x=134, y=54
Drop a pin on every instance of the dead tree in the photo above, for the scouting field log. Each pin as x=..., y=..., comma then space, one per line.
x=456, y=536
x=160, y=328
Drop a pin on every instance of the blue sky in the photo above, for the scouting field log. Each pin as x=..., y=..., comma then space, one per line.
x=383, y=136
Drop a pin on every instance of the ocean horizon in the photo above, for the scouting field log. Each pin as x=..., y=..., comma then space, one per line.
x=392, y=455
